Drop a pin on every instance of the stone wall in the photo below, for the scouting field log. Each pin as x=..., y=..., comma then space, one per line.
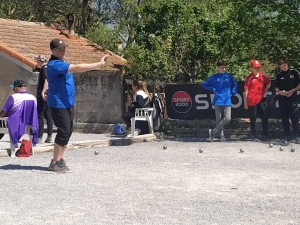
x=99, y=97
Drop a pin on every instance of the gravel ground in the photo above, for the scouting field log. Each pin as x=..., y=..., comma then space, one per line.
x=145, y=184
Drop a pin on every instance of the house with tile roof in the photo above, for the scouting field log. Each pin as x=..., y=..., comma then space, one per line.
x=98, y=92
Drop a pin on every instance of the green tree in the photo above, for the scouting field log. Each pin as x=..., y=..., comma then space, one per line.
x=193, y=33
x=104, y=36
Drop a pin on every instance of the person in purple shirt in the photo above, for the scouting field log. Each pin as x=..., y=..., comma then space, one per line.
x=15, y=101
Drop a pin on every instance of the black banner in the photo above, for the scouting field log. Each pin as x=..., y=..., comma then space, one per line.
x=191, y=101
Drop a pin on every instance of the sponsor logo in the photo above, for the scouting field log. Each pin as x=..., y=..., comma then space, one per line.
x=181, y=102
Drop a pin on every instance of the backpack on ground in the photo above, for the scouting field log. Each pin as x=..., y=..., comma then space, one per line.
x=25, y=148
x=118, y=129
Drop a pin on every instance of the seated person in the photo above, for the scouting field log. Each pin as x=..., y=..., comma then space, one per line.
x=15, y=101
x=141, y=99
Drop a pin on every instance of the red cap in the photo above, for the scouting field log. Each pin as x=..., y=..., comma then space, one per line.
x=255, y=63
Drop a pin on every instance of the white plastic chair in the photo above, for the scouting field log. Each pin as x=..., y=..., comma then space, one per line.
x=4, y=130
x=142, y=114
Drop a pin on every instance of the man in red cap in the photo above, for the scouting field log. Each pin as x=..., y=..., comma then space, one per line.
x=256, y=85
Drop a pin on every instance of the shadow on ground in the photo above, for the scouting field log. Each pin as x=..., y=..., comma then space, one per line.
x=230, y=140
x=19, y=167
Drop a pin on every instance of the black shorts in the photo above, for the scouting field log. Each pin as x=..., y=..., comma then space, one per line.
x=63, y=120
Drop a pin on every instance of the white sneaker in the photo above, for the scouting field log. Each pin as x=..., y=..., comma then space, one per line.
x=40, y=141
x=222, y=139
x=210, y=135
x=137, y=132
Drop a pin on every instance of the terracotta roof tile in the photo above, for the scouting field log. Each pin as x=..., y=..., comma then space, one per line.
x=29, y=39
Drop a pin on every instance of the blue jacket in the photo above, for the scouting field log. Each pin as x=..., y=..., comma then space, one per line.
x=223, y=85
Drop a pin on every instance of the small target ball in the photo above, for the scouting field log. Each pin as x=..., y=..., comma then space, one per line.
x=200, y=150
x=281, y=148
x=271, y=145
x=165, y=147
x=96, y=152
x=293, y=149
x=241, y=150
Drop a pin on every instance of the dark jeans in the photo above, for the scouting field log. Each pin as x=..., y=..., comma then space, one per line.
x=63, y=120
x=126, y=116
x=289, y=110
x=142, y=125
x=44, y=112
x=261, y=108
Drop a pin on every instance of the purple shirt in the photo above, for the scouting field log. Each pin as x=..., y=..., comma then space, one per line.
x=15, y=101
x=21, y=110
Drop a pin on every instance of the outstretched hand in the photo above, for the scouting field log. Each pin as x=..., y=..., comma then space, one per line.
x=103, y=59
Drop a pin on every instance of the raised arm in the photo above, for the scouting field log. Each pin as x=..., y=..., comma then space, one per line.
x=83, y=67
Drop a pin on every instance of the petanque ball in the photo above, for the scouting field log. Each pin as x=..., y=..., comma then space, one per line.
x=241, y=150
x=200, y=150
x=271, y=145
x=96, y=152
x=165, y=147
x=293, y=149
x=281, y=148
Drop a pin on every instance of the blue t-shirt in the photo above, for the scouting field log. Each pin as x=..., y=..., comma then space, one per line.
x=224, y=86
x=61, y=92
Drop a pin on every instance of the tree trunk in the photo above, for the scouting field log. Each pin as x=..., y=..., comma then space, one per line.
x=84, y=13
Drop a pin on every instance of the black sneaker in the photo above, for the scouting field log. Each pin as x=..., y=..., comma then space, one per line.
x=48, y=139
x=62, y=164
x=285, y=141
x=266, y=138
x=254, y=138
x=54, y=167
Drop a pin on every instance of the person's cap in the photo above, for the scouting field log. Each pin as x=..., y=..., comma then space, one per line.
x=18, y=83
x=41, y=58
x=57, y=43
x=255, y=63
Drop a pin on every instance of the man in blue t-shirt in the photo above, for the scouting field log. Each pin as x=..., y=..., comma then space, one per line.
x=61, y=97
x=224, y=86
